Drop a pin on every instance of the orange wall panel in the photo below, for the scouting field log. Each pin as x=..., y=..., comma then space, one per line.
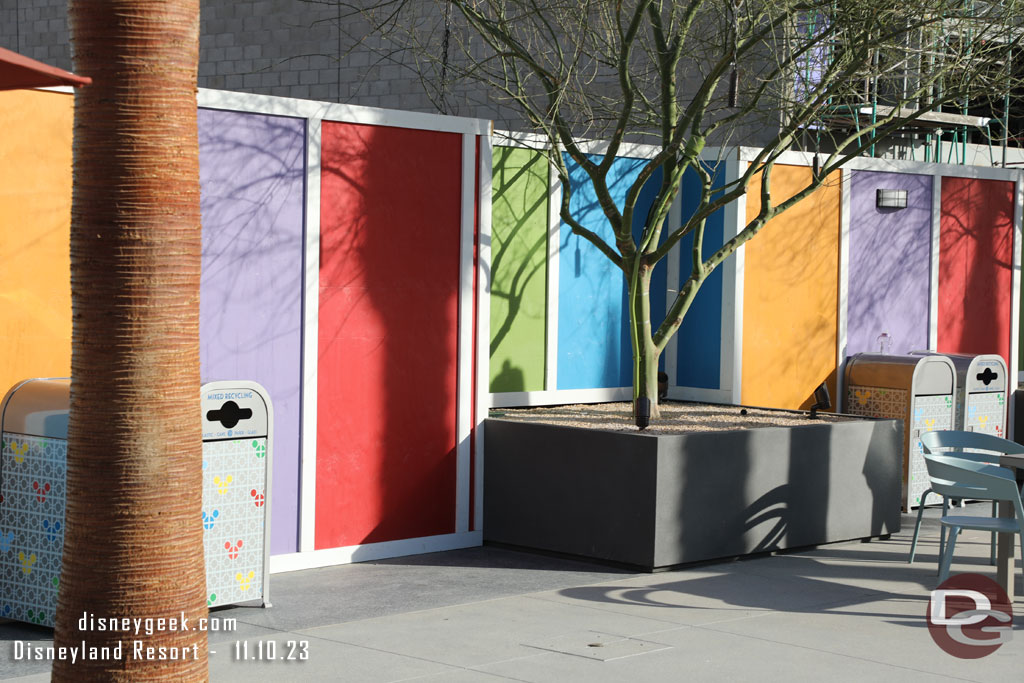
x=790, y=295
x=35, y=218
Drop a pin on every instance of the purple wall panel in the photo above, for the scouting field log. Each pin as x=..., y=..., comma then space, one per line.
x=252, y=174
x=889, y=263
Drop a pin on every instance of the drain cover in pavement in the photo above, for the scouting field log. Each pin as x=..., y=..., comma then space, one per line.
x=600, y=646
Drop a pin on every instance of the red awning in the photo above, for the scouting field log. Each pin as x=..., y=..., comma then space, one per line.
x=17, y=71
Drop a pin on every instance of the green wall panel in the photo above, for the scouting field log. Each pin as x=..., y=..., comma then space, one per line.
x=519, y=218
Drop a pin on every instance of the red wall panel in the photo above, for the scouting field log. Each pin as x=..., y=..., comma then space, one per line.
x=975, y=266
x=389, y=282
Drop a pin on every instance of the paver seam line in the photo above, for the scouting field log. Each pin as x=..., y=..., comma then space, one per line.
x=417, y=657
x=476, y=671
x=665, y=647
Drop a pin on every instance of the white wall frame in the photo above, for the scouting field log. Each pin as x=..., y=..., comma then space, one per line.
x=731, y=369
x=553, y=274
x=368, y=552
x=933, y=263
x=347, y=113
x=517, y=399
x=483, y=327
x=310, y=339
x=842, y=304
x=1013, y=362
x=467, y=349
x=700, y=395
x=891, y=165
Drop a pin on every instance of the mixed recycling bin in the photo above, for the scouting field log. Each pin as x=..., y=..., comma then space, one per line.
x=980, y=392
x=237, y=420
x=237, y=423
x=33, y=468
x=920, y=390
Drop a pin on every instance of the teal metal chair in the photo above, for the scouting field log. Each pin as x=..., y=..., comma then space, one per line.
x=972, y=446
x=954, y=477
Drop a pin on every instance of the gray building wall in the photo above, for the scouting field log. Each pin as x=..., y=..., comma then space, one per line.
x=36, y=29
x=290, y=48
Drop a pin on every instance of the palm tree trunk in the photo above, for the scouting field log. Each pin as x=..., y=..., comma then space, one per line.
x=133, y=544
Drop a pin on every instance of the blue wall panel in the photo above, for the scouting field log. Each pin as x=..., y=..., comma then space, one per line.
x=700, y=337
x=594, y=350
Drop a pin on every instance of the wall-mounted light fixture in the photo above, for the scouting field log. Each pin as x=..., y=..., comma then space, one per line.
x=891, y=199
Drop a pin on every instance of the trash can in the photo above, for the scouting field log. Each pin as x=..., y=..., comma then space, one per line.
x=33, y=468
x=237, y=437
x=920, y=390
x=980, y=392
x=237, y=421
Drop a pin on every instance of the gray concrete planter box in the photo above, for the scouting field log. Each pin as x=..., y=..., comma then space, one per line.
x=655, y=501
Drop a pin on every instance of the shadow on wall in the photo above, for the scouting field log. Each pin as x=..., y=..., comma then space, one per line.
x=716, y=511
x=975, y=266
x=890, y=252
x=519, y=226
x=594, y=341
x=252, y=178
x=790, y=295
x=699, y=338
x=389, y=283
x=510, y=378
x=774, y=489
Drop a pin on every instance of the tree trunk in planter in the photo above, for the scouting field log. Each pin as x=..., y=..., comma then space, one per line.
x=645, y=353
x=133, y=544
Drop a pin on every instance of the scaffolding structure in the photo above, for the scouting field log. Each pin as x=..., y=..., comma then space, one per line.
x=941, y=136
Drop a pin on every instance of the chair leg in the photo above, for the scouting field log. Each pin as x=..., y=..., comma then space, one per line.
x=942, y=529
x=1021, y=544
x=947, y=557
x=917, y=527
x=995, y=513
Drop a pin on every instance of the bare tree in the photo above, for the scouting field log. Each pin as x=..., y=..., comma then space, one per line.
x=133, y=547
x=839, y=77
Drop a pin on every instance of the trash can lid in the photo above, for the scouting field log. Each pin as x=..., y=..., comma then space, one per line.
x=976, y=373
x=926, y=375
x=37, y=407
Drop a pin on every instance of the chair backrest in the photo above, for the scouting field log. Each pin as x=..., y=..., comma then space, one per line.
x=955, y=477
x=973, y=446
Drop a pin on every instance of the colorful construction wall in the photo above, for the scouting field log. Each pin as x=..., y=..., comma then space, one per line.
x=339, y=271
x=834, y=276
x=388, y=343
x=559, y=322
x=252, y=170
x=594, y=348
x=889, y=264
x=975, y=266
x=35, y=215
x=791, y=280
x=345, y=251
x=698, y=344
x=519, y=275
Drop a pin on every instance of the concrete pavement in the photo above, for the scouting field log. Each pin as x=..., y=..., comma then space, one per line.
x=846, y=611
